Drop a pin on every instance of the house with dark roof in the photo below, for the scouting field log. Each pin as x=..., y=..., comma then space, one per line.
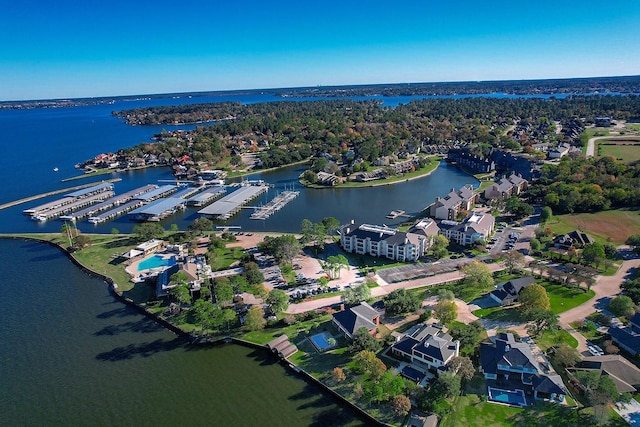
x=573, y=239
x=427, y=347
x=507, y=293
x=465, y=158
x=348, y=321
x=624, y=374
x=382, y=241
x=509, y=364
x=627, y=338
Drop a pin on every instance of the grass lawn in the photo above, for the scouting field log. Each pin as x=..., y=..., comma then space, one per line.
x=615, y=224
x=562, y=299
x=296, y=332
x=554, y=338
x=627, y=151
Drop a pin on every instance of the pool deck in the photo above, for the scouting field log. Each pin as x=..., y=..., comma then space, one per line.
x=630, y=412
x=136, y=274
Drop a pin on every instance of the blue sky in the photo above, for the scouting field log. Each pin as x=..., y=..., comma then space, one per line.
x=66, y=49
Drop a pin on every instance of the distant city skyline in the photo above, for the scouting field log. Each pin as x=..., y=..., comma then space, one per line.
x=68, y=49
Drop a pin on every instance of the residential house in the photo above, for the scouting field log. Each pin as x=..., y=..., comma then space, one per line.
x=575, y=239
x=449, y=206
x=353, y=318
x=382, y=241
x=603, y=121
x=560, y=151
x=507, y=293
x=509, y=364
x=624, y=374
x=509, y=186
x=627, y=338
x=477, y=226
x=427, y=347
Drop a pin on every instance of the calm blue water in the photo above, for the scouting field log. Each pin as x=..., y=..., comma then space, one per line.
x=72, y=355
x=155, y=262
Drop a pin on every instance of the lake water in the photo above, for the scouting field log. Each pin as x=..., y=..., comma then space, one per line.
x=71, y=354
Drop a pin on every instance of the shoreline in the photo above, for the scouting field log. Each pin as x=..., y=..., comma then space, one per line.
x=377, y=183
x=194, y=339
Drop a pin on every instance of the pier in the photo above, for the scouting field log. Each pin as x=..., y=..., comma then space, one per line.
x=109, y=203
x=274, y=205
x=396, y=214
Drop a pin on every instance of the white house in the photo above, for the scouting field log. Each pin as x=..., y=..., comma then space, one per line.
x=382, y=241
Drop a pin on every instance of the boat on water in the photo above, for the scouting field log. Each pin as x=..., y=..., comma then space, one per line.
x=55, y=169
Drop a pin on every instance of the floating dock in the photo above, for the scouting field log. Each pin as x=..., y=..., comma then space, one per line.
x=158, y=193
x=230, y=204
x=396, y=214
x=274, y=205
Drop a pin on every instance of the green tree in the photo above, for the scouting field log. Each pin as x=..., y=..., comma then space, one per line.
x=477, y=275
x=254, y=319
x=439, y=246
x=278, y=300
x=621, y=306
x=541, y=320
x=334, y=265
x=513, y=260
x=306, y=230
x=283, y=248
x=181, y=293
x=449, y=384
x=445, y=311
x=533, y=297
x=400, y=301
x=446, y=295
x=566, y=356
x=593, y=252
x=200, y=225
x=81, y=241
x=545, y=214
x=363, y=340
x=634, y=242
x=254, y=276
x=367, y=363
x=148, y=230
x=535, y=244
x=352, y=296
x=331, y=224
x=204, y=314
x=223, y=290
x=463, y=367
x=226, y=316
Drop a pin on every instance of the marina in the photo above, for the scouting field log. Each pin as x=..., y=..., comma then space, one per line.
x=231, y=204
x=274, y=205
x=113, y=201
x=68, y=199
x=158, y=193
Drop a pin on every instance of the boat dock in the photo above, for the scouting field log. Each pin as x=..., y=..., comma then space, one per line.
x=113, y=201
x=159, y=209
x=274, y=205
x=397, y=214
x=230, y=204
x=113, y=213
x=73, y=205
x=68, y=199
x=158, y=193
x=206, y=196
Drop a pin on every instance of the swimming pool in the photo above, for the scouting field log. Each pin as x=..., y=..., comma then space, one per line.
x=412, y=374
x=155, y=262
x=321, y=341
x=507, y=397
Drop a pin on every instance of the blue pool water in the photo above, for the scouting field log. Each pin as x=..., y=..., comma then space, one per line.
x=321, y=341
x=412, y=374
x=155, y=262
x=634, y=419
x=515, y=398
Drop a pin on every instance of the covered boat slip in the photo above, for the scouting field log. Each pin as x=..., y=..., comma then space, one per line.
x=230, y=204
x=159, y=209
x=113, y=201
x=159, y=192
x=70, y=207
x=69, y=198
x=206, y=196
x=113, y=213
